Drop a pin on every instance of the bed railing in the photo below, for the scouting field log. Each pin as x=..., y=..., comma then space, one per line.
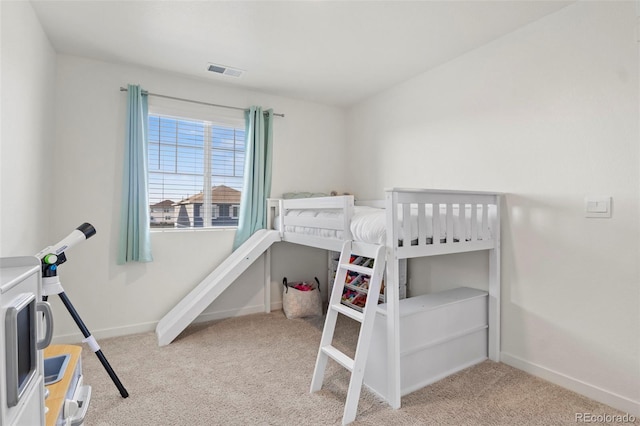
x=342, y=206
x=443, y=221
x=419, y=222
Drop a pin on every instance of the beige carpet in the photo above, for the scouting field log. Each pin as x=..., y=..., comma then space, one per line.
x=256, y=370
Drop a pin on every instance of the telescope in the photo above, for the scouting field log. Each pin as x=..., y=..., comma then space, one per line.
x=81, y=233
x=52, y=257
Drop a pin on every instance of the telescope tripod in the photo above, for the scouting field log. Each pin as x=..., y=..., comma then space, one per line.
x=51, y=285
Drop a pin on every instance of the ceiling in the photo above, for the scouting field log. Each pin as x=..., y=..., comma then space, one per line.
x=332, y=52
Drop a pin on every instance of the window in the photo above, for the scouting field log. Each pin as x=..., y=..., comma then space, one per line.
x=196, y=170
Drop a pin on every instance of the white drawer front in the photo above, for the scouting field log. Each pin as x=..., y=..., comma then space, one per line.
x=431, y=326
x=421, y=368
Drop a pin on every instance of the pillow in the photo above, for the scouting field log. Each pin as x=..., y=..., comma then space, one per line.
x=291, y=195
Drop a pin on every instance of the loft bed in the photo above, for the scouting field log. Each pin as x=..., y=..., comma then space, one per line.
x=422, y=339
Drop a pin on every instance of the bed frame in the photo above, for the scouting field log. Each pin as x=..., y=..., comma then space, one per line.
x=484, y=234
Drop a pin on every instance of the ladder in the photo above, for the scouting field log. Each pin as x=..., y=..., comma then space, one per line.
x=366, y=317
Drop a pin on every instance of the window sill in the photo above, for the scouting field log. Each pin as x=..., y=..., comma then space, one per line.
x=174, y=230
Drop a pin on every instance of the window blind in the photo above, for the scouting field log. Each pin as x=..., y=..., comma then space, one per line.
x=196, y=171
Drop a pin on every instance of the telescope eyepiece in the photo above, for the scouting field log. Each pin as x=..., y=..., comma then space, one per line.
x=87, y=229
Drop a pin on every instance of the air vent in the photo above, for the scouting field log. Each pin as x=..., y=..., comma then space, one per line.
x=225, y=70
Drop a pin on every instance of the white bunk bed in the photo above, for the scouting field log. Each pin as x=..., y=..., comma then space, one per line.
x=420, y=339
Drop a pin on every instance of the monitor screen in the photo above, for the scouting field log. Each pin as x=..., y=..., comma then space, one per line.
x=21, y=352
x=25, y=344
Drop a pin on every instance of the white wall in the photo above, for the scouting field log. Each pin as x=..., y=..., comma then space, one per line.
x=27, y=135
x=548, y=115
x=90, y=121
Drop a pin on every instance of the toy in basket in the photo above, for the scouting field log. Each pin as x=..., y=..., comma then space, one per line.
x=301, y=299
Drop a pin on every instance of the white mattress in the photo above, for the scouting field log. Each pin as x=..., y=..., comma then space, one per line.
x=368, y=224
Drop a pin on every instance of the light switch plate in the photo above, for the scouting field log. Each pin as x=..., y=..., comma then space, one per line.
x=597, y=207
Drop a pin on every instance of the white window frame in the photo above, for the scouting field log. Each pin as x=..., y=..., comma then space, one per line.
x=216, y=116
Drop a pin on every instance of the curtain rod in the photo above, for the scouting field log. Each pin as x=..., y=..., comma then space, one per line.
x=144, y=92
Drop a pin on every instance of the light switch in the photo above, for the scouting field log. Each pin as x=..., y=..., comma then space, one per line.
x=597, y=206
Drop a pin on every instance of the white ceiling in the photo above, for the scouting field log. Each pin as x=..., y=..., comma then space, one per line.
x=330, y=52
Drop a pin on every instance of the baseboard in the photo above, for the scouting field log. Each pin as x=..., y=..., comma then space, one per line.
x=591, y=391
x=105, y=333
x=218, y=315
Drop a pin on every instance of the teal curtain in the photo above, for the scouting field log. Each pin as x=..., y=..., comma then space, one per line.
x=257, y=173
x=134, y=243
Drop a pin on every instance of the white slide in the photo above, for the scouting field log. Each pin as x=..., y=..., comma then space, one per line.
x=213, y=285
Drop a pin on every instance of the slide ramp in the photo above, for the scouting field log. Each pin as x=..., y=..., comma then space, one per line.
x=194, y=303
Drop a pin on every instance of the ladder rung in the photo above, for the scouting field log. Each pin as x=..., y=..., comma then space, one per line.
x=350, y=312
x=339, y=357
x=357, y=268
